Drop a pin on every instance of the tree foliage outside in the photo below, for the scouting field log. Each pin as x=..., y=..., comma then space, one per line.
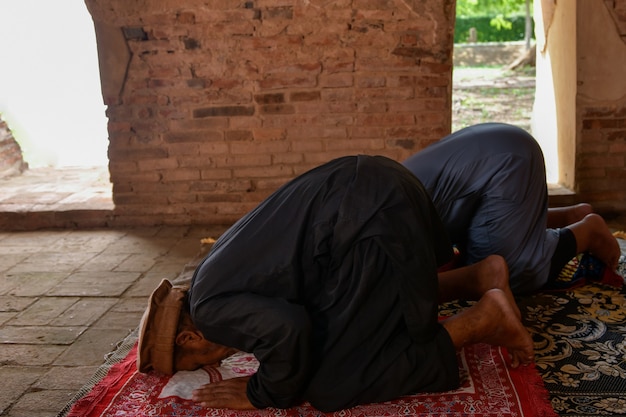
x=490, y=7
x=494, y=20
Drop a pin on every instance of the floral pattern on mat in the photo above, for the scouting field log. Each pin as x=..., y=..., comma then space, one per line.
x=580, y=347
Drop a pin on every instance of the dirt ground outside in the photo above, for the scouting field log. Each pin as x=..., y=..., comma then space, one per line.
x=492, y=94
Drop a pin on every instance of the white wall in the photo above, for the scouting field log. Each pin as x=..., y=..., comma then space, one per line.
x=49, y=82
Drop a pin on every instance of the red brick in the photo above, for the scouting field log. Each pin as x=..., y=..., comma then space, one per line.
x=201, y=162
x=305, y=96
x=277, y=109
x=592, y=161
x=157, y=164
x=367, y=132
x=272, y=98
x=184, y=150
x=239, y=135
x=213, y=148
x=371, y=81
x=356, y=145
x=288, y=81
x=181, y=174
x=269, y=134
x=386, y=119
x=337, y=80
x=122, y=154
x=268, y=147
x=216, y=174
x=263, y=172
x=245, y=122
x=306, y=146
x=223, y=111
x=292, y=158
x=211, y=123
x=243, y=161
x=269, y=185
x=619, y=147
x=197, y=136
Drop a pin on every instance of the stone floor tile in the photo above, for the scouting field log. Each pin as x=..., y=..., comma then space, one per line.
x=131, y=305
x=66, y=377
x=6, y=316
x=103, y=262
x=29, y=355
x=32, y=240
x=188, y=249
x=84, y=312
x=52, y=262
x=92, y=347
x=6, y=286
x=172, y=231
x=19, y=379
x=38, y=401
x=146, y=245
x=8, y=248
x=119, y=319
x=32, y=284
x=88, y=240
x=30, y=413
x=136, y=263
x=40, y=335
x=10, y=303
x=149, y=281
x=8, y=261
x=95, y=284
x=43, y=311
x=144, y=286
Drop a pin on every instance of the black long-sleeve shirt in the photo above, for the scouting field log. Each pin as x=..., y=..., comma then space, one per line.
x=331, y=283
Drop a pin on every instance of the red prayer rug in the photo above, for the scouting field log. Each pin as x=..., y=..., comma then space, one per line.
x=489, y=388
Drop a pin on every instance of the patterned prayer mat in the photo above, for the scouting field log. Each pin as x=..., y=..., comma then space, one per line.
x=489, y=389
x=580, y=347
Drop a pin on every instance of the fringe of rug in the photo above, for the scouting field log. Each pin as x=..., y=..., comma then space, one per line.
x=542, y=408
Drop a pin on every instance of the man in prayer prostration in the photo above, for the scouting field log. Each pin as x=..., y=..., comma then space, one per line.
x=332, y=283
x=488, y=184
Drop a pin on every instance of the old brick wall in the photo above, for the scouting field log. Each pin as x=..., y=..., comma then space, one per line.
x=212, y=105
x=601, y=157
x=601, y=106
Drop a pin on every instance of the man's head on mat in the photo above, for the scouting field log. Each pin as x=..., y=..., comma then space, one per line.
x=168, y=339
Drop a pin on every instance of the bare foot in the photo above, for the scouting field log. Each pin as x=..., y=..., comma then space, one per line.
x=494, y=273
x=492, y=320
x=593, y=236
x=506, y=330
x=564, y=216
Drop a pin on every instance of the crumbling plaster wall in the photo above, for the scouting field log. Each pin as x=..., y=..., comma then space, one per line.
x=213, y=104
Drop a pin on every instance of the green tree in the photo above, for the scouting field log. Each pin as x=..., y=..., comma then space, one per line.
x=490, y=7
x=499, y=11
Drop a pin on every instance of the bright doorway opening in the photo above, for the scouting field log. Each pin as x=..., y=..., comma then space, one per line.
x=49, y=83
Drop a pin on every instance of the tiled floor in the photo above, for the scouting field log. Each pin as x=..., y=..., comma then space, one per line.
x=67, y=297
